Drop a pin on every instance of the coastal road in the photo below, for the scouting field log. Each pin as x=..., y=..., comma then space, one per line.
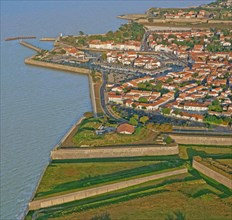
x=103, y=101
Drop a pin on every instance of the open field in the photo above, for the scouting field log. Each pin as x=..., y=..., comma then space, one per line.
x=86, y=136
x=189, y=194
x=62, y=178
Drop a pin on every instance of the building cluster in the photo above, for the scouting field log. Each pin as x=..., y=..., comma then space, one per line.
x=131, y=58
x=189, y=93
x=179, y=43
x=187, y=14
x=74, y=52
x=111, y=45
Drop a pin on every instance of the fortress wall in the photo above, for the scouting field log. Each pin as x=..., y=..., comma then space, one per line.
x=56, y=200
x=212, y=174
x=109, y=152
x=201, y=139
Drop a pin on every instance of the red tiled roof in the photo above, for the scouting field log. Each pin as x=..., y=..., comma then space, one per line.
x=125, y=128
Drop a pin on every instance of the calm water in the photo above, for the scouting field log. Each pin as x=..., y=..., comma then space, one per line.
x=39, y=105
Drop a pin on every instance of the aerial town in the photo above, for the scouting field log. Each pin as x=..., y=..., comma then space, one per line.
x=199, y=91
x=157, y=141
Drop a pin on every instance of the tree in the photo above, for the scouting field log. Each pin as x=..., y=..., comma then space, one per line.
x=144, y=119
x=168, y=140
x=158, y=86
x=134, y=105
x=81, y=33
x=142, y=99
x=110, y=34
x=133, y=121
x=104, y=56
x=136, y=116
x=166, y=111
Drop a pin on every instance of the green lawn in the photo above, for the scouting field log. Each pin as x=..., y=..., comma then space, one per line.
x=187, y=193
x=61, y=178
x=86, y=136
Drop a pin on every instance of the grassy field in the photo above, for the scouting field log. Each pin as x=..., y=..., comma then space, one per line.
x=86, y=136
x=63, y=178
x=188, y=193
x=217, y=152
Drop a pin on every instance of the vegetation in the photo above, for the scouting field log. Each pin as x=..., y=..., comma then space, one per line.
x=166, y=111
x=130, y=31
x=213, y=119
x=64, y=178
x=188, y=191
x=104, y=216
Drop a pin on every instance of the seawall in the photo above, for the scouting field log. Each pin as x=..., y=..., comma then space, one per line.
x=26, y=44
x=57, y=200
x=202, y=139
x=212, y=174
x=111, y=152
x=56, y=66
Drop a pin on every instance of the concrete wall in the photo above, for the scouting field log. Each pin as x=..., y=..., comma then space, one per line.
x=212, y=174
x=56, y=200
x=201, y=139
x=104, y=152
x=30, y=61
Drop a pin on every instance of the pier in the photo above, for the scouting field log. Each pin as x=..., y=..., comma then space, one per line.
x=26, y=44
x=48, y=39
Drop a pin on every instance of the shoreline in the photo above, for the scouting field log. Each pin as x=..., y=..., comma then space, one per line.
x=59, y=67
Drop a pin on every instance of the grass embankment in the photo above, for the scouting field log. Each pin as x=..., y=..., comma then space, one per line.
x=62, y=178
x=85, y=135
x=155, y=198
x=221, y=166
x=208, y=151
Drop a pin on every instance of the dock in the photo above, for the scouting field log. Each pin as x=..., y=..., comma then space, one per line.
x=26, y=44
x=48, y=39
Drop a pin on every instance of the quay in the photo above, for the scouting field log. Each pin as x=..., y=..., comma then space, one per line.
x=26, y=44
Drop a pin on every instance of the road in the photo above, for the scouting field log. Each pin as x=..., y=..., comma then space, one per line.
x=103, y=101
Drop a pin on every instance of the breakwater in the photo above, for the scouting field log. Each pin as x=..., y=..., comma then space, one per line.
x=57, y=200
x=19, y=38
x=26, y=44
x=112, y=152
x=212, y=173
x=31, y=61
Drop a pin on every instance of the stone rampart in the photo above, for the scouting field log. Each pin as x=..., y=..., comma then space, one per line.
x=57, y=200
x=110, y=152
x=202, y=139
x=212, y=174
